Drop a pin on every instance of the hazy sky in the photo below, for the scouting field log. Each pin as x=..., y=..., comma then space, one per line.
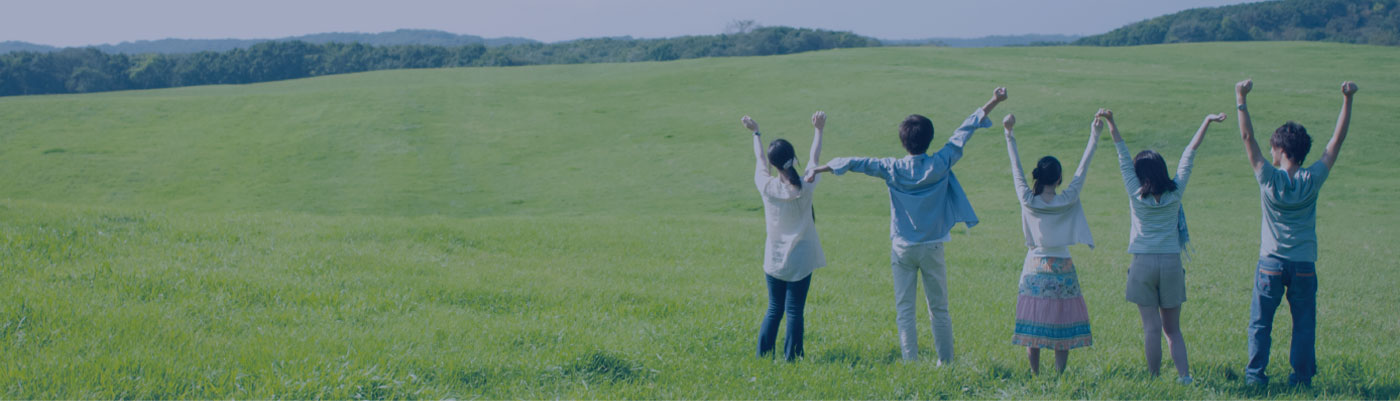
x=74, y=23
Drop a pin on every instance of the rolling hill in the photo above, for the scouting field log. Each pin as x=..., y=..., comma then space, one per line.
x=591, y=231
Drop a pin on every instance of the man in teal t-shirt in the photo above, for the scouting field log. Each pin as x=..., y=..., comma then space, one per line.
x=1287, y=236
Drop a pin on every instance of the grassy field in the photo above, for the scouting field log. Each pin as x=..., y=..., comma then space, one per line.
x=591, y=231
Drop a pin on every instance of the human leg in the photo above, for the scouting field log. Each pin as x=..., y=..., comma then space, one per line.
x=905, y=286
x=1033, y=355
x=796, y=306
x=1061, y=359
x=1151, y=337
x=1302, y=303
x=1268, y=293
x=1171, y=327
x=768, y=329
x=934, y=273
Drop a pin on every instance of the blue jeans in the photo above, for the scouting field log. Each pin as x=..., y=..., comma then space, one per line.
x=789, y=297
x=1274, y=279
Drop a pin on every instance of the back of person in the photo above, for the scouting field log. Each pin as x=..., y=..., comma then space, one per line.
x=1154, y=223
x=792, y=250
x=1289, y=203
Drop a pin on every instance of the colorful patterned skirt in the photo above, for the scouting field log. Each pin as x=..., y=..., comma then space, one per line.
x=1050, y=309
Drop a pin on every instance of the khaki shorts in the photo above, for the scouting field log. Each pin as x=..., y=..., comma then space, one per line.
x=1156, y=280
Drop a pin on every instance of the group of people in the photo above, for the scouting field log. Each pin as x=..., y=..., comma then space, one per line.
x=926, y=201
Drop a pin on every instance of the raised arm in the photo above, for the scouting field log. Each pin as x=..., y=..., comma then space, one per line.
x=759, y=153
x=1201, y=133
x=1107, y=116
x=1183, y=167
x=1251, y=147
x=819, y=122
x=998, y=96
x=1018, y=176
x=1343, y=124
x=1125, y=161
x=1080, y=172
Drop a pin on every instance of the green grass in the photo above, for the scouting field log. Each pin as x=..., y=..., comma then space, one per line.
x=591, y=231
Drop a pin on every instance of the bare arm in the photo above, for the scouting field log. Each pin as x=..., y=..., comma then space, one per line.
x=1251, y=147
x=819, y=122
x=759, y=153
x=998, y=96
x=1107, y=116
x=1201, y=133
x=1343, y=124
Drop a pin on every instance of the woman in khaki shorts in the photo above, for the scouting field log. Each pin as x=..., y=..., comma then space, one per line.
x=1156, y=280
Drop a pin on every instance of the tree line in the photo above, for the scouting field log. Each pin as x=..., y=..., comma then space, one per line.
x=83, y=70
x=1375, y=22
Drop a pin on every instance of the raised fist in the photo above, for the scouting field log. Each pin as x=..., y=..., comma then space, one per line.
x=748, y=123
x=1243, y=87
x=819, y=119
x=1009, y=121
x=1349, y=88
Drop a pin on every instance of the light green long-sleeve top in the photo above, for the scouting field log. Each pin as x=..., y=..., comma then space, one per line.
x=1156, y=221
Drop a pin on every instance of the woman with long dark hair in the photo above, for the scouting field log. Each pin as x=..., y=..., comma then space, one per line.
x=1050, y=308
x=1156, y=279
x=792, y=251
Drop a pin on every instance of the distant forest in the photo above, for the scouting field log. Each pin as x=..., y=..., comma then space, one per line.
x=1375, y=22
x=82, y=70
x=178, y=46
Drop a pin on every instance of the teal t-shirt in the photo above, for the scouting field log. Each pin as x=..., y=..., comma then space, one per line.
x=1288, y=230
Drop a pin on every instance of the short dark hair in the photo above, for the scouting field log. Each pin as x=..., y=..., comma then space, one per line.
x=1151, y=172
x=1294, y=140
x=1046, y=173
x=916, y=132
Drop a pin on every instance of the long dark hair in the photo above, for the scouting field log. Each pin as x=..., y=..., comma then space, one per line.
x=1046, y=173
x=1152, y=173
x=781, y=155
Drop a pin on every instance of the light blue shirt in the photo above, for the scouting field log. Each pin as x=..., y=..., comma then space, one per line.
x=1158, y=224
x=926, y=200
x=1288, y=230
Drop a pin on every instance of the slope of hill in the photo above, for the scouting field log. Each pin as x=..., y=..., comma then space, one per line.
x=426, y=37
x=1375, y=22
x=592, y=231
x=985, y=41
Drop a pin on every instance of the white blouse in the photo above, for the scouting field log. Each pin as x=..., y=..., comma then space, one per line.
x=792, y=250
x=1051, y=226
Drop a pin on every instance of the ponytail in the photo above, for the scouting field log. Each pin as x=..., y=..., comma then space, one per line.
x=781, y=155
x=791, y=174
x=1046, y=174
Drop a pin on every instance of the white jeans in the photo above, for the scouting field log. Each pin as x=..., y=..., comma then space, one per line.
x=909, y=262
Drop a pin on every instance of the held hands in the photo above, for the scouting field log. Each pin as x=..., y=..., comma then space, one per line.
x=749, y=123
x=1096, y=126
x=1349, y=88
x=1105, y=114
x=819, y=120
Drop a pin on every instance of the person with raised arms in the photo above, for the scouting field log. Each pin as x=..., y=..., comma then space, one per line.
x=792, y=250
x=1050, y=308
x=1157, y=237
x=926, y=200
x=1288, y=195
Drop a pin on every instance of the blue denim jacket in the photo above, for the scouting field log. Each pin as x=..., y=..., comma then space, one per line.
x=926, y=200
